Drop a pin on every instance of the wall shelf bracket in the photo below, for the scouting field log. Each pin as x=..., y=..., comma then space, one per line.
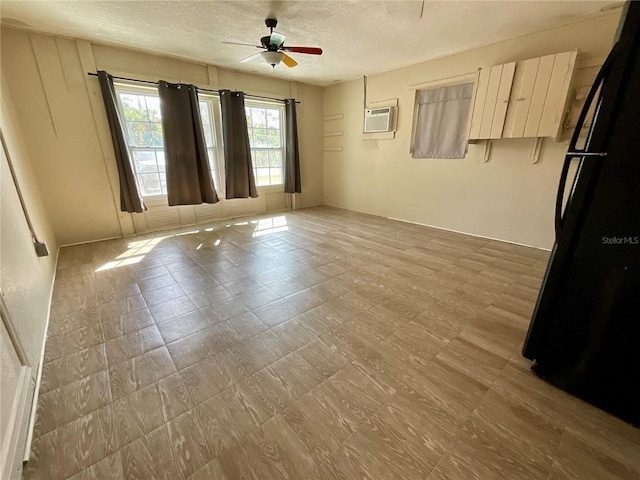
x=534, y=155
x=486, y=150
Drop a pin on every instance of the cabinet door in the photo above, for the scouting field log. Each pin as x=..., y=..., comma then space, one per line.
x=520, y=99
x=490, y=103
x=479, y=103
x=492, y=97
x=502, y=100
x=539, y=96
x=557, y=99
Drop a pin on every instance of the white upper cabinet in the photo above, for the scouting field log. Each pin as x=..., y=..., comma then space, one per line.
x=523, y=99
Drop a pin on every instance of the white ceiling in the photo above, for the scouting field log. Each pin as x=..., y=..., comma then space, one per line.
x=358, y=37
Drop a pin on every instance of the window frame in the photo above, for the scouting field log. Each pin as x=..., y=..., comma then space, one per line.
x=249, y=102
x=213, y=103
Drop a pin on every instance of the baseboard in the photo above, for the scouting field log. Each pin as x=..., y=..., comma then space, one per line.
x=470, y=234
x=34, y=399
x=89, y=241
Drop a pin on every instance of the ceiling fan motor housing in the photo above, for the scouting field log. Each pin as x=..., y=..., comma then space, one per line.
x=265, y=43
x=271, y=22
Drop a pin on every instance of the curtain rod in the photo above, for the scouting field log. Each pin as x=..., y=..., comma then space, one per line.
x=149, y=82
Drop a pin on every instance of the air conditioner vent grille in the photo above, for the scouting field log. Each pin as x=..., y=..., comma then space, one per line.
x=378, y=119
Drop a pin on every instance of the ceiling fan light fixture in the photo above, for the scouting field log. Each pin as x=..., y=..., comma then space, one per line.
x=273, y=58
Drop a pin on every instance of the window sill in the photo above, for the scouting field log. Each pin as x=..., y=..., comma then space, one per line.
x=161, y=200
x=155, y=200
x=271, y=189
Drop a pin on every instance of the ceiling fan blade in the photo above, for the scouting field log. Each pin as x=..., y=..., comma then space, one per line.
x=251, y=57
x=245, y=44
x=276, y=39
x=288, y=61
x=308, y=50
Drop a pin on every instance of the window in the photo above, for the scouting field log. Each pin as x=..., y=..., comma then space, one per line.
x=140, y=107
x=206, y=114
x=143, y=125
x=264, y=123
x=440, y=127
x=144, y=134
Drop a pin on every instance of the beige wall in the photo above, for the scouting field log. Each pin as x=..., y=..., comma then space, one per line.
x=55, y=116
x=506, y=198
x=61, y=113
x=25, y=279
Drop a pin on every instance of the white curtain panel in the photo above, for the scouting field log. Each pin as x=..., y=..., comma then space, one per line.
x=441, y=126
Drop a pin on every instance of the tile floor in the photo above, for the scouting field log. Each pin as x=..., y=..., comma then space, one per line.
x=320, y=344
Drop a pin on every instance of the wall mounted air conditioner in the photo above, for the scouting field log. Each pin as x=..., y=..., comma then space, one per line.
x=378, y=119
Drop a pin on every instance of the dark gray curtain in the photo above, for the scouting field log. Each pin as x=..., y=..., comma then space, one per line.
x=240, y=182
x=189, y=180
x=292, y=182
x=130, y=199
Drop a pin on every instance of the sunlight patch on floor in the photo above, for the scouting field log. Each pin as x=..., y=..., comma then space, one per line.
x=136, y=250
x=120, y=263
x=268, y=226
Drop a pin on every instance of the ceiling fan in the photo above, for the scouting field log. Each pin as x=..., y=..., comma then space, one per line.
x=273, y=46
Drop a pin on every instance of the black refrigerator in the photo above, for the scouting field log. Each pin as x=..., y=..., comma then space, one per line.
x=584, y=336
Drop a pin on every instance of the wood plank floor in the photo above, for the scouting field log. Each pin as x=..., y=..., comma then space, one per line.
x=321, y=345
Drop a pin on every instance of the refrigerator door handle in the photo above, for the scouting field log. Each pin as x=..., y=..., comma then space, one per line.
x=574, y=152
x=586, y=154
x=559, y=220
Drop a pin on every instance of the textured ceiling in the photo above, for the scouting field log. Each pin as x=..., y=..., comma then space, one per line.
x=358, y=37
